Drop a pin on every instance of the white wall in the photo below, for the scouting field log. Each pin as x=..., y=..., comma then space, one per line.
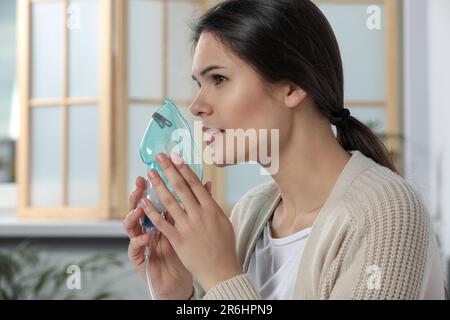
x=427, y=106
x=416, y=96
x=439, y=84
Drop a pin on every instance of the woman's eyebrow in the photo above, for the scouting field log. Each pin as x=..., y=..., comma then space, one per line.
x=208, y=69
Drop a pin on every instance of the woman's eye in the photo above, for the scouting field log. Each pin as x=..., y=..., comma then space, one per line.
x=218, y=79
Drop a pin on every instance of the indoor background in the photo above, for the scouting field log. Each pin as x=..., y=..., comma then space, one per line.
x=80, y=79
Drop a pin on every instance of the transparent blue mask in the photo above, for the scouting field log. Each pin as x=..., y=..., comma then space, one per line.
x=167, y=132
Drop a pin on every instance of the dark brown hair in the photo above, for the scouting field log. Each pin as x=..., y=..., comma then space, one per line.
x=292, y=40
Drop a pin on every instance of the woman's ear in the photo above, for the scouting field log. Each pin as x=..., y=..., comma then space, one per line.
x=294, y=95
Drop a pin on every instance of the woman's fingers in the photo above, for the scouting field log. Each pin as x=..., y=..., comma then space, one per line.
x=131, y=222
x=137, y=244
x=141, y=183
x=159, y=222
x=191, y=179
x=136, y=195
x=169, y=218
x=166, y=197
x=179, y=185
x=208, y=186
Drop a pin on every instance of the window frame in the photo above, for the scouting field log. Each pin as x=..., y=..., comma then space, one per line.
x=103, y=102
x=113, y=102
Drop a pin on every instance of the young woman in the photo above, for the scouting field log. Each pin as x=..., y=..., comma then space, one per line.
x=336, y=222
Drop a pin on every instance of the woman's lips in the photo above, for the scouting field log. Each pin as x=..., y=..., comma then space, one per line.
x=206, y=129
x=211, y=134
x=210, y=140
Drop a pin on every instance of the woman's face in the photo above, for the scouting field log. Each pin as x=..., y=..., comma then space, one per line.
x=231, y=96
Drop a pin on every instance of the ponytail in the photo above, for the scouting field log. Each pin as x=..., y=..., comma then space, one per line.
x=354, y=135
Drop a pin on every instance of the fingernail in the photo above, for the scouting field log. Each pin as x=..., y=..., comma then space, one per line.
x=160, y=157
x=176, y=159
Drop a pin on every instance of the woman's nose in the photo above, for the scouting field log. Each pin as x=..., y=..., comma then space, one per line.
x=200, y=109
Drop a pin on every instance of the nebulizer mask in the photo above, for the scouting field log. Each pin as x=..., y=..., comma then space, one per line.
x=167, y=132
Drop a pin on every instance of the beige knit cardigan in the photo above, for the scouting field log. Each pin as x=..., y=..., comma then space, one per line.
x=372, y=239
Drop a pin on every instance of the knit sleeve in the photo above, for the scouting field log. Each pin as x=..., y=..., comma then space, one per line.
x=237, y=288
x=388, y=259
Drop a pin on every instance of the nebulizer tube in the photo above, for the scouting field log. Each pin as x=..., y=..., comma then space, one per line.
x=167, y=132
x=148, y=277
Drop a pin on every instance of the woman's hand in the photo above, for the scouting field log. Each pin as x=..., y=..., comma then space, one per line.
x=202, y=235
x=170, y=279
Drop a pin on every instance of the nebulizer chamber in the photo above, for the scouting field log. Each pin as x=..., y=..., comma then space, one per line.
x=167, y=132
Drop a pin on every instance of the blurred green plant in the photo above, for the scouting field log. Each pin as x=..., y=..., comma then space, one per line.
x=397, y=156
x=25, y=274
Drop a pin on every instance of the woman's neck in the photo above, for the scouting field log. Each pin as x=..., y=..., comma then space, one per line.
x=311, y=161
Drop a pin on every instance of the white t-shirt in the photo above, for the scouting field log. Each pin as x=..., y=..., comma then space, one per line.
x=274, y=264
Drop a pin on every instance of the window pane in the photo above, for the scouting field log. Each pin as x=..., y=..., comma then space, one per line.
x=45, y=165
x=7, y=63
x=374, y=117
x=83, y=170
x=83, y=24
x=47, y=49
x=145, y=49
x=187, y=114
x=362, y=50
x=241, y=178
x=138, y=120
x=8, y=104
x=181, y=85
